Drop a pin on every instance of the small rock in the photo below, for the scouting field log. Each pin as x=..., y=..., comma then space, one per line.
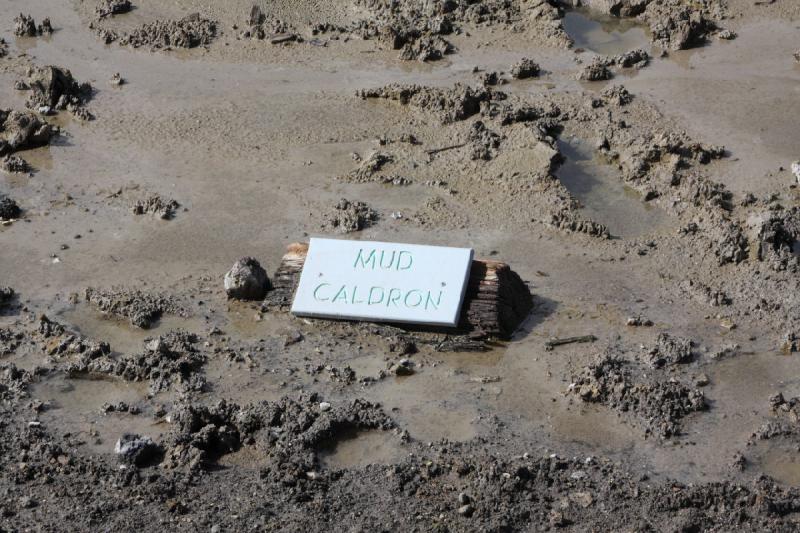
x=701, y=380
x=466, y=510
x=246, y=280
x=796, y=170
x=137, y=450
x=116, y=79
x=324, y=406
x=403, y=368
x=293, y=338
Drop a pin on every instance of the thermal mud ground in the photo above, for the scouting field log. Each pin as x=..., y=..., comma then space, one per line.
x=632, y=161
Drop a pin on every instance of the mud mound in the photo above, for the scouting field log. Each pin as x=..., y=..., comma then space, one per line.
x=368, y=168
x=109, y=8
x=25, y=26
x=141, y=308
x=9, y=210
x=54, y=88
x=676, y=25
x=485, y=142
x=60, y=343
x=596, y=71
x=14, y=164
x=9, y=339
x=189, y=32
x=524, y=69
x=164, y=208
x=260, y=27
x=287, y=432
x=13, y=384
x=167, y=361
x=778, y=233
x=23, y=129
x=669, y=351
x=349, y=217
x=657, y=403
x=451, y=105
x=786, y=421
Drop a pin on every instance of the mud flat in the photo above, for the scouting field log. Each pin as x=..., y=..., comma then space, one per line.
x=632, y=161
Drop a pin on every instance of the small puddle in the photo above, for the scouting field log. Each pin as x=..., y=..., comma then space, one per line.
x=604, y=197
x=431, y=405
x=75, y=407
x=780, y=462
x=358, y=449
x=123, y=337
x=596, y=429
x=604, y=34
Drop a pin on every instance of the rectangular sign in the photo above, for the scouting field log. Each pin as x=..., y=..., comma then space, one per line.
x=383, y=282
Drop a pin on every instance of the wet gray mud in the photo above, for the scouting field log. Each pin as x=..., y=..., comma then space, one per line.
x=647, y=203
x=603, y=195
x=604, y=34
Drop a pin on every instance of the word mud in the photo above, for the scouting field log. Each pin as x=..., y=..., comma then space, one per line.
x=383, y=282
x=372, y=259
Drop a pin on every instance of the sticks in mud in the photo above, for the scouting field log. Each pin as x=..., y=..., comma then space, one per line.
x=495, y=303
x=435, y=151
x=549, y=345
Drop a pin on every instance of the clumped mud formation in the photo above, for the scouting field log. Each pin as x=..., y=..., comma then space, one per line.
x=25, y=26
x=9, y=209
x=190, y=31
x=525, y=68
x=141, y=308
x=165, y=361
x=20, y=130
x=54, y=89
x=109, y=8
x=164, y=208
x=658, y=405
x=347, y=217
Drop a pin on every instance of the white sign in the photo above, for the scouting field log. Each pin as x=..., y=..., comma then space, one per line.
x=381, y=281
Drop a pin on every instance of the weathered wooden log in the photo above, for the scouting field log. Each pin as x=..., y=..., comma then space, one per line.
x=495, y=303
